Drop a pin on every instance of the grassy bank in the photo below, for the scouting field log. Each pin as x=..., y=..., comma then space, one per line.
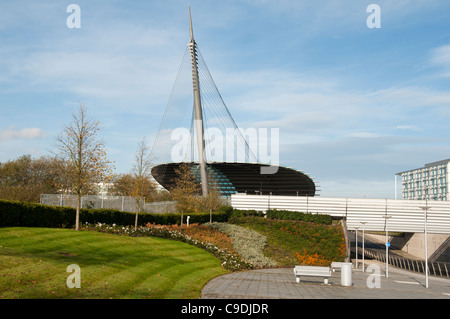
x=291, y=242
x=33, y=264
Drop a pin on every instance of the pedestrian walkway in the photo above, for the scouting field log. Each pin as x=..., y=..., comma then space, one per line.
x=280, y=284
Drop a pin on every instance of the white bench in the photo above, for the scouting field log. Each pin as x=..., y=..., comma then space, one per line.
x=312, y=271
x=337, y=265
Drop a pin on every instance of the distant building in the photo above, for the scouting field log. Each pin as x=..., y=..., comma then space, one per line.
x=104, y=188
x=428, y=182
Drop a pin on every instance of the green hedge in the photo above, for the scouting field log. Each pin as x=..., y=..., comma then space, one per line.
x=15, y=213
x=307, y=217
x=245, y=213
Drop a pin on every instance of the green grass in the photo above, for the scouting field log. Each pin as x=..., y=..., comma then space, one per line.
x=33, y=264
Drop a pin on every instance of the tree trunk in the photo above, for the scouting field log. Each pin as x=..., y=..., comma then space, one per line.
x=77, y=215
x=136, y=220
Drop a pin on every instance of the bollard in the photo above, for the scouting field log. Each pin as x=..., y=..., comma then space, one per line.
x=346, y=274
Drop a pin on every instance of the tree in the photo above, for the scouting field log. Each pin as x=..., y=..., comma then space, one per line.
x=141, y=175
x=212, y=200
x=83, y=157
x=123, y=185
x=25, y=178
x=186, y=190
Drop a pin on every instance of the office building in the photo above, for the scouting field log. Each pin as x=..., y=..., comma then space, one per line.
x=428, y=182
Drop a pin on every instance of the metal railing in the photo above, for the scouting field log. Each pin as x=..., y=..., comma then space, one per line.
x=122, y=203
x=440, y=269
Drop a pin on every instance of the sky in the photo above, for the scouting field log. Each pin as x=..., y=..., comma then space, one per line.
x=354, y=105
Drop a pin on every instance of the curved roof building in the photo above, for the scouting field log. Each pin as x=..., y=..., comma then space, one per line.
x=230, y=177
x=234, y=178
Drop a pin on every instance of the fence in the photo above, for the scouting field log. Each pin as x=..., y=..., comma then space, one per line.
x=123, y=203
x=440, y=269
x=403, y=215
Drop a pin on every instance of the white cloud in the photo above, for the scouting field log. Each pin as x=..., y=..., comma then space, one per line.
x=126, y=64
x=408, y=127
x=364, y=134
x=26, y=133
x=440, y=57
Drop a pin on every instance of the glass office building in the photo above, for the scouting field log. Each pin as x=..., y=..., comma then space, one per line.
x=428, y=182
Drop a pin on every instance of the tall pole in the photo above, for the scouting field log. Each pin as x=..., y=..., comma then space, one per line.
x=199, y=128
x=356, y=246
x=395, y=186
x=387, y=247
x=425, y=211
x=363, y=251
x=426, y=251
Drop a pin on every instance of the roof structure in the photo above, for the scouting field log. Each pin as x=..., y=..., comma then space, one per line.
x=233, y=178
x=441, y=162
x=230, y=177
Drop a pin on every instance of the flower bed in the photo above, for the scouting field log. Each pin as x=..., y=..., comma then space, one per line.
x=248, y=243
x=230, y=260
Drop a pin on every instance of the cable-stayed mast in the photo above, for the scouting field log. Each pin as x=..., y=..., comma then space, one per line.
x=199, y=128
x=210, y=119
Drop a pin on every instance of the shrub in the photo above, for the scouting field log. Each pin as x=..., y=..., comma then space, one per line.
x=286, y=238
x=248, y=243
x=307, y=217
x=312, y=259
x=15, y=213
x=245, y=213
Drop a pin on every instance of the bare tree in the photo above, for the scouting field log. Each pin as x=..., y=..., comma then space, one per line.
x=185, y=191
x=84, y=157
x=142, y=175
x=213, y=199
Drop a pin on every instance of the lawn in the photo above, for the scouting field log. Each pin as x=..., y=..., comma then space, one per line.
x=117, y=262
x=34, y=261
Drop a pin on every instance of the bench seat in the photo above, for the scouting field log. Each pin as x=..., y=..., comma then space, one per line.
x=312, y=271
x=336, y=265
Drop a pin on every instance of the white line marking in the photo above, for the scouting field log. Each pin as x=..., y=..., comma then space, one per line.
x=407, y=282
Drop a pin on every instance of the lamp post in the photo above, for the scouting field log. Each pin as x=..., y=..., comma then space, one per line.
x=387, y=246
x=363, y=223
x=425, y=211
x=356, y=246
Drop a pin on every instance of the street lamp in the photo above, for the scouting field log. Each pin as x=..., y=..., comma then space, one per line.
x=387, y=246
x=363, y=251
x=425, y=211
x=356, y=230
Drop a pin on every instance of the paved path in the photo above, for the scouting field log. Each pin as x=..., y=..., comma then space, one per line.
x=280, y=284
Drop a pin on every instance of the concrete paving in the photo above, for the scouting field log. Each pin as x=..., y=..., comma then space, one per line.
x=280, y=284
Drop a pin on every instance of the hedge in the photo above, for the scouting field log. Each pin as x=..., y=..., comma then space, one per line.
x=307, y=217
x=16, y=213
x=245, y=213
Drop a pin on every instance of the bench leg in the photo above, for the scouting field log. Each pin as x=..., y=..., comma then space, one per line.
x=325, y=281
x=297, y=279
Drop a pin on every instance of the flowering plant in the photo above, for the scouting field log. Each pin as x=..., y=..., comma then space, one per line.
x=230, y=260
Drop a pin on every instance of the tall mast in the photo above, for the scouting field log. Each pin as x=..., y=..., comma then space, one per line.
x=199, y=129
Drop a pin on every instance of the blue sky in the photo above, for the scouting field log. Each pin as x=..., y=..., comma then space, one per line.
x=354, y=105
